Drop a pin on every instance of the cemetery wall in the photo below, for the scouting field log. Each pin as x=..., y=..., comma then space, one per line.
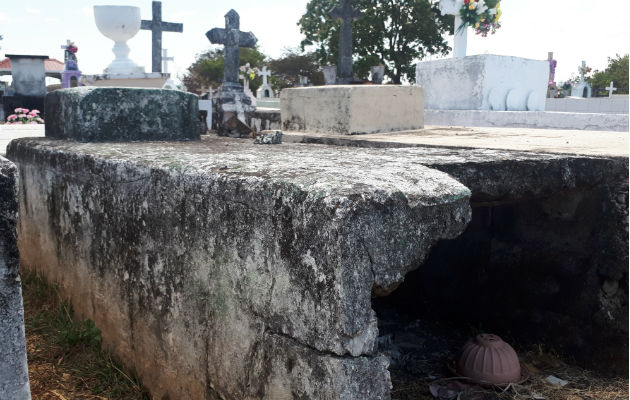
x=617, y=104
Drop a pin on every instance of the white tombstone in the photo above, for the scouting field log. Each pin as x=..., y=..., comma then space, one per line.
x=611, y=89
x=452, y=7
x=165, y=60
x=582, y=88
x=265, y=91
x=247, y=90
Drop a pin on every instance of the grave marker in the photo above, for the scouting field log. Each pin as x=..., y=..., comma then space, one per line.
x=157, y=26
x=346, y=14
x=611, y=89
x=232, y=38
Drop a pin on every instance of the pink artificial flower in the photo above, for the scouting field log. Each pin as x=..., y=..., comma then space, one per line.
x=34, y=111
x=11, y=117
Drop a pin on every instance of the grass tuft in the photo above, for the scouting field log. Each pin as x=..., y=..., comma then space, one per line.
x=64, y=352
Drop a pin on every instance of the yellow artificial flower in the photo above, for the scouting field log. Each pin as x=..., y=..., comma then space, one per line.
x=471, y=7
x=477, y=25
x=483, y=20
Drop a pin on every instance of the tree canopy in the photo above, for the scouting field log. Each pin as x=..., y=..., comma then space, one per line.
x=207, y=70
x=288, y=68
x=617, y=72
x=394, y=33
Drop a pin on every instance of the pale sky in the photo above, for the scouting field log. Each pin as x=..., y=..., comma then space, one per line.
x=574, y=30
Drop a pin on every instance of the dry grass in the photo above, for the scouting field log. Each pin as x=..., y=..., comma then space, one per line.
x=65, y=357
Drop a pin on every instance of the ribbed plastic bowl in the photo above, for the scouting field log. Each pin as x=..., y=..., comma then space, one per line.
x=487, y=358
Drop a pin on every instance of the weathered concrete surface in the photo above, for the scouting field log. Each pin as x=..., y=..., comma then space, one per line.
x=218, y=268
x=91, y=114
x=14, y=382
x=352, y=109
x=223, y=268
x=605, y=144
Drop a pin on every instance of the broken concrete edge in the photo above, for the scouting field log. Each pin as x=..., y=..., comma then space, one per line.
x=101, y=114
x=242, y=259
x=14, y=380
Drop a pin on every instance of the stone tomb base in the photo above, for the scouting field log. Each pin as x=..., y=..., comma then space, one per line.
x=352, y=109
x=484, y=82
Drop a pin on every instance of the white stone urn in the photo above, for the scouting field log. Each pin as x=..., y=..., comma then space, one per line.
x=119, y=23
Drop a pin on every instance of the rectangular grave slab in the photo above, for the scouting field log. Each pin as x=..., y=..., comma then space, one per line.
x=104, y=114
x=352, y=109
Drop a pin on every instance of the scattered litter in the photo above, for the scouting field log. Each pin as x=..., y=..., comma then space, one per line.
x=556, y=381
x=537, y=396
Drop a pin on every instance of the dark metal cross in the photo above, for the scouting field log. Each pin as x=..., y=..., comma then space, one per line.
x=232, y=38
x=346, y=14
x=157, y=26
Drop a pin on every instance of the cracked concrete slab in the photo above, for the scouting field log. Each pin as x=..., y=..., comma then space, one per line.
x=243, y=271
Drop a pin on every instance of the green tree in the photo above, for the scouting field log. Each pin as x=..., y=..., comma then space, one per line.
x=617, y=72
x=207, y=70
x=395, y=33
x=287, y=69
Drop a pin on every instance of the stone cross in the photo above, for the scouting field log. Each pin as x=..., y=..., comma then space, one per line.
x=452, y=7
x=346, y=14
x=611, y=89
x=264, y=73
x=232, y=38
x=165, y=60
x=157, y=26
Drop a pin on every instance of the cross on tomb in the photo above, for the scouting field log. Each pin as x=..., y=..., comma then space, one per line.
x=157, y=26
x=165, y=60
x=611, y=89
x=452, y=7
x=232, y=38
x=346, y=14
x=265, y=73
x=582, y=71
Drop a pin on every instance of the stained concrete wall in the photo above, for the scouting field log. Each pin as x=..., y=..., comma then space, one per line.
x=14, y=383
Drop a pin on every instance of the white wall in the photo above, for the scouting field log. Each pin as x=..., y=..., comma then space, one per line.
x=617, y=104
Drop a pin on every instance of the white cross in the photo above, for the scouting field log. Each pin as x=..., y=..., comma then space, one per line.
x=452, y=7
x=582, y=71
x=264, y=73
x=611, y=89
x=68, y=43
x=165, y=60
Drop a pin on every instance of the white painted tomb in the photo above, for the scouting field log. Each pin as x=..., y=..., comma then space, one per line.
x=484, y=82
x=265, y=91
x=481, y=82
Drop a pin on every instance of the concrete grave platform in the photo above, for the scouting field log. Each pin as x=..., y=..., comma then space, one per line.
x=226, y=269
x=352, y=109
x=91, y=114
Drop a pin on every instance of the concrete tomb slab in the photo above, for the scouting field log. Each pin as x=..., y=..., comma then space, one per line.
x=226, y=269
x=91, y=114
x=352, y=109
